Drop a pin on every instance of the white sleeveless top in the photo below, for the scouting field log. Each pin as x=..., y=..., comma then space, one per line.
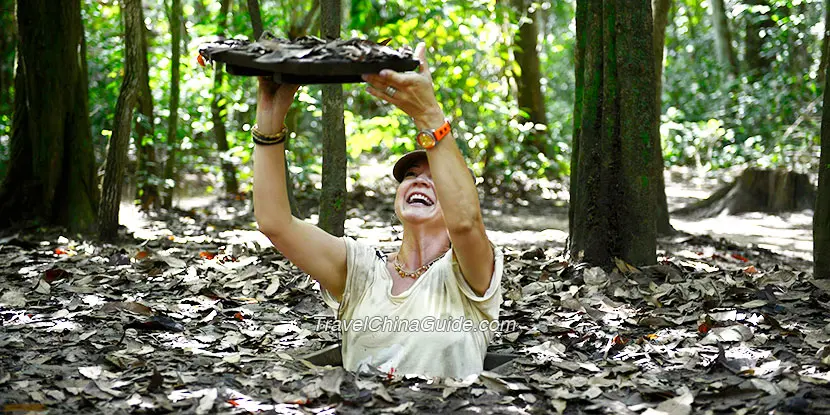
x=437, y=327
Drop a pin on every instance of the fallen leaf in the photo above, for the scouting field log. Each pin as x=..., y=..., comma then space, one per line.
x=54, y=274
x=740, y=258
x=595, y=276
x=754, y=304
x=156, y=381
x=156, y=323
x=207, y=401
x=13, y=299
x=131, y=306
x=91, y=372
x=734, y=333
x=272, y=287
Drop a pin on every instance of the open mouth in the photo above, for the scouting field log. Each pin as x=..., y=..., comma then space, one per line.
x=419, y=198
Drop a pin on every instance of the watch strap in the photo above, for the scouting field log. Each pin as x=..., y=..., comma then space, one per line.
x=442, y=131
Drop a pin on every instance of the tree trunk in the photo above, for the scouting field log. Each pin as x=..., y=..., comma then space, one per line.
x=291, y=123
x=489, y=171
x=825, y=46
x=723, y=38
x=173, y=119
x=218, y=111
x=147, y=177
x=757, y=190
x=128, y=98
x=756, y=21
x=7, y=42
x=528, y=80
x=256, y=17
x=799, y=55
x=333, y=198
x=612, y=203
x=51, y=176
x=821, y=216
x=290, y=119
x=660, y=10
x=303, y=26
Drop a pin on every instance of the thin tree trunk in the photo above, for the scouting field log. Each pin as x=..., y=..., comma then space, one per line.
x=692, y=28
x=528, y=80
x=173, y=118
x=148, y=173
x=488, y=169
x=303, y=26
x=51, y=176
x=756, y=62
x=217, y=110
x=7, y=43
x=799, y=55
x=821, y=217
x=333, y=198
x=291, y=117
x=256, y=17
x=825, y=45
x=291, y=123
x=660, y=12
x=120, y=139
x=723, y=38
x=612, y=203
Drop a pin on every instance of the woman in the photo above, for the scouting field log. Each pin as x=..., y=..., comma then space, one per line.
x=426, y=309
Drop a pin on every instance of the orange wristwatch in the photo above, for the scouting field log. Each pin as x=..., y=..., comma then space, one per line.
x=429, y=138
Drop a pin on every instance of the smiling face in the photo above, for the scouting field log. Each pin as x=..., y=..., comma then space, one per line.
x=416, y=201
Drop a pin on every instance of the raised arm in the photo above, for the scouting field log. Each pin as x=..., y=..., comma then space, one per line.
x=319, y=254
x=454, y=186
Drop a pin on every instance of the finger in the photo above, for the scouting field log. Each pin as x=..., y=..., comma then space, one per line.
x=375, y=80
x=374, y=83
x=397, y=79
x=286, y=90
x=292, y=88
x=421, y=55
x=377, y=93
x=381, y=93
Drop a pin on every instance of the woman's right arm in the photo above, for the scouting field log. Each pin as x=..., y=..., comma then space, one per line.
x=317, y=253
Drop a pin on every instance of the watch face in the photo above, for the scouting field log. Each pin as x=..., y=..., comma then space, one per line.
x=426, y=140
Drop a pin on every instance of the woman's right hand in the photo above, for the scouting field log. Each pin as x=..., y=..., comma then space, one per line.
x=273, y=101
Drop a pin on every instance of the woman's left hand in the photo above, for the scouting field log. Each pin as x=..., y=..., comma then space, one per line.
x=412, y=92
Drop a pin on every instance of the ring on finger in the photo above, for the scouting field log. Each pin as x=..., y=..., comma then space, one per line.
x=390, y=90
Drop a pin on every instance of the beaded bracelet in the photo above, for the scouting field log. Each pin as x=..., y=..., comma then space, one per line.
x=269, y=139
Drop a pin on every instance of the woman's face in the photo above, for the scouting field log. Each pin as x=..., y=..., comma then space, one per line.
x=416, y=201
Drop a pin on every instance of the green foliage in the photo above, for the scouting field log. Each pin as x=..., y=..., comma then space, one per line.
x=770, y=118
x=710, y=120
x=7, y=46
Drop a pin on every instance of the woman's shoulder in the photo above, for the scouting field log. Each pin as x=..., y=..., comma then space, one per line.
x=363, y=251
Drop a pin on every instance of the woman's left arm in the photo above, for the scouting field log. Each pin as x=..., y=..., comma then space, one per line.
x=415, y=95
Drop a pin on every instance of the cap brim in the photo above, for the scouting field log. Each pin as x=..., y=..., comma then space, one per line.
x=404, y=163
x=407, y=160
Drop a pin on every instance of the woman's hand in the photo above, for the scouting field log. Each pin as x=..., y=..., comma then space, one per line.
x=273, y=101
x=413, y=92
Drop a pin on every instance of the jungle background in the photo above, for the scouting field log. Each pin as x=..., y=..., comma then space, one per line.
x=145, y=266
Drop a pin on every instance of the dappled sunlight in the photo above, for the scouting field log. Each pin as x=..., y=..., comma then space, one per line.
x=791, y=234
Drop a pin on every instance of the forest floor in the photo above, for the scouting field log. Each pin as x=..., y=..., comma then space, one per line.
x=193, y=312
